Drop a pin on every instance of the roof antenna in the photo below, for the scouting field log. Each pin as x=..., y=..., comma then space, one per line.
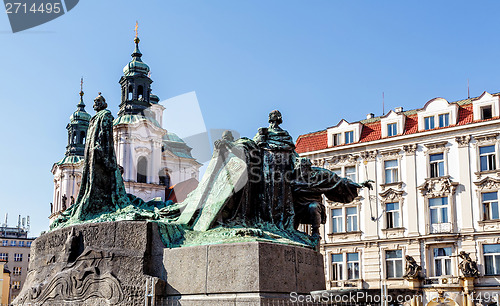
x=468, y=91
x=383, y=104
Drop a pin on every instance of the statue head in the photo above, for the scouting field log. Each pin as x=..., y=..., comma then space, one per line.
x=275, y=117
x=100, y=103
x=227, y=135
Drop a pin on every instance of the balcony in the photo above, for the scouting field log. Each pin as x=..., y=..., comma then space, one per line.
x=449, y=281
x=353, y=283
x=441, y=228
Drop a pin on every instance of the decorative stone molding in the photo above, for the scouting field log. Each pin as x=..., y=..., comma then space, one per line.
x=318, y=162
x=436, y=147
x=391, y=195
x=438, y=187
x=488, y=183
x=344, y=158
x=486, y=139
x=463, y=140
x=368, y=155
x=143, y=150
x=393, y=232
x=410, y=149
x=390, y=154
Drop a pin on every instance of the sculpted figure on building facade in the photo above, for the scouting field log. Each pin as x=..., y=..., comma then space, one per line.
x=468, y=267
x=412, y=269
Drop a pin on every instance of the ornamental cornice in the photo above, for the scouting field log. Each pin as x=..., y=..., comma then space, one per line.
x=368, y=155
x=438, y=187
x=410, y=149
x=463, y=140
x=390, y=154
x=391, y=195
x=343, y=159
x=435, y=146
x=486, y=139
x=488, y=183
x=320, y=162
x=143, y=150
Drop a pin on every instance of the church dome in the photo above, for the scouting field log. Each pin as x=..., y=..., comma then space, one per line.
x=80, y=114
x=136, y=65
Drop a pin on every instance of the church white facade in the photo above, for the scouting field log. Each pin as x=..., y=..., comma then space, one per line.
x=153, y=159
x=437, y=183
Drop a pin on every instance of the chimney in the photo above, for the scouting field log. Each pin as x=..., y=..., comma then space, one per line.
x=398, y=109
x=370, y=116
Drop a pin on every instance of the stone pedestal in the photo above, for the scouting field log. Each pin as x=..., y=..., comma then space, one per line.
x=125, y=263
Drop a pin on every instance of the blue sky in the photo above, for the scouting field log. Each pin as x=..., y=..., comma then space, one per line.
x=316, y=61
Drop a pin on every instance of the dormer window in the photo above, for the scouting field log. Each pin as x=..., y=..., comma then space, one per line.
x=349, y=137
x=392, y=129
x=336, y=139
x=486, y=112
x=444, y=120
x=429, y=122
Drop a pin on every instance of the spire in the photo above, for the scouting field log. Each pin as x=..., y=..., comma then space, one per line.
x=136, y=66
x=81, y=105
x=137, y=53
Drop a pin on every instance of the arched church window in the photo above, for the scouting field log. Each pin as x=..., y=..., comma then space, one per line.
x=140, y=91
x=130, y=91
x=82, y=137
x=142, y=170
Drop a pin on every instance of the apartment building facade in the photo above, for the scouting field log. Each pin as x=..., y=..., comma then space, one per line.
x=437, y=181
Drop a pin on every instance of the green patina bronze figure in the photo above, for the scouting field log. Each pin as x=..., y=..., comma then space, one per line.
x=258, y=189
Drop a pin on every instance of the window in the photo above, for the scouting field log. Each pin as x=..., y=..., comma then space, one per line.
x=337, y=220
x=392, y=129
x=18, y=257
x=130, y=92
x=337, y=267
x=487, y=158
x=490, y=205
x=391, y=171
x=16, y=271
x=394, y=263
x=439, y=210
x=16, y=285
x=436, y=162
x=429, y=122
x=486, y=112
x=442, y=261
x=350, y=173
x=4, y=256
x=444, y=120
x=491, y=259
x=142, y=170
x=13, y=243
x=352, y=219
x=29, y=244
x=349, y=137
x=21, y=243
x=392, y=215
x=337, y=171
x=335, y=139
x=5, y=242
x=352, y=266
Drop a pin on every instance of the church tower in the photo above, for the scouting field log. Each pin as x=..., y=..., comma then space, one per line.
x=136, y=85
x=68, y=171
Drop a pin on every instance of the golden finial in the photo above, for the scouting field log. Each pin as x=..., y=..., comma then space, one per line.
x=81, y=86
x=136, y=39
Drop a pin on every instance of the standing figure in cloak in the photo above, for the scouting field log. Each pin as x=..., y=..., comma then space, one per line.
x=310, y=184
x=102, y=189
x=278, y=158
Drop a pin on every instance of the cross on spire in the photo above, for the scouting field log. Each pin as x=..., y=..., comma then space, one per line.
x=136, y=28
x=81, y=86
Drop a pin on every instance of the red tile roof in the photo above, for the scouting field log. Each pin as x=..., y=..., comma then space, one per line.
x=372, y=128
x=371, y=131
x=312, y=142
x=465, y=114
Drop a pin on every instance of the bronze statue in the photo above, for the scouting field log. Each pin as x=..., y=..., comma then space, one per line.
x=64, y=199
x=412, y=269
x=468, y=266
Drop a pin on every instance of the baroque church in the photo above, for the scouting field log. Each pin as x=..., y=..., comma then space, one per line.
x=152, y=159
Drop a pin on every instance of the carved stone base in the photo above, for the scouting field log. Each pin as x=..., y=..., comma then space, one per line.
x=125, y=263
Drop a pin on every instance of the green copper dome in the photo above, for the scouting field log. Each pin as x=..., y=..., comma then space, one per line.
x=136, y=65
x=80, y=114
